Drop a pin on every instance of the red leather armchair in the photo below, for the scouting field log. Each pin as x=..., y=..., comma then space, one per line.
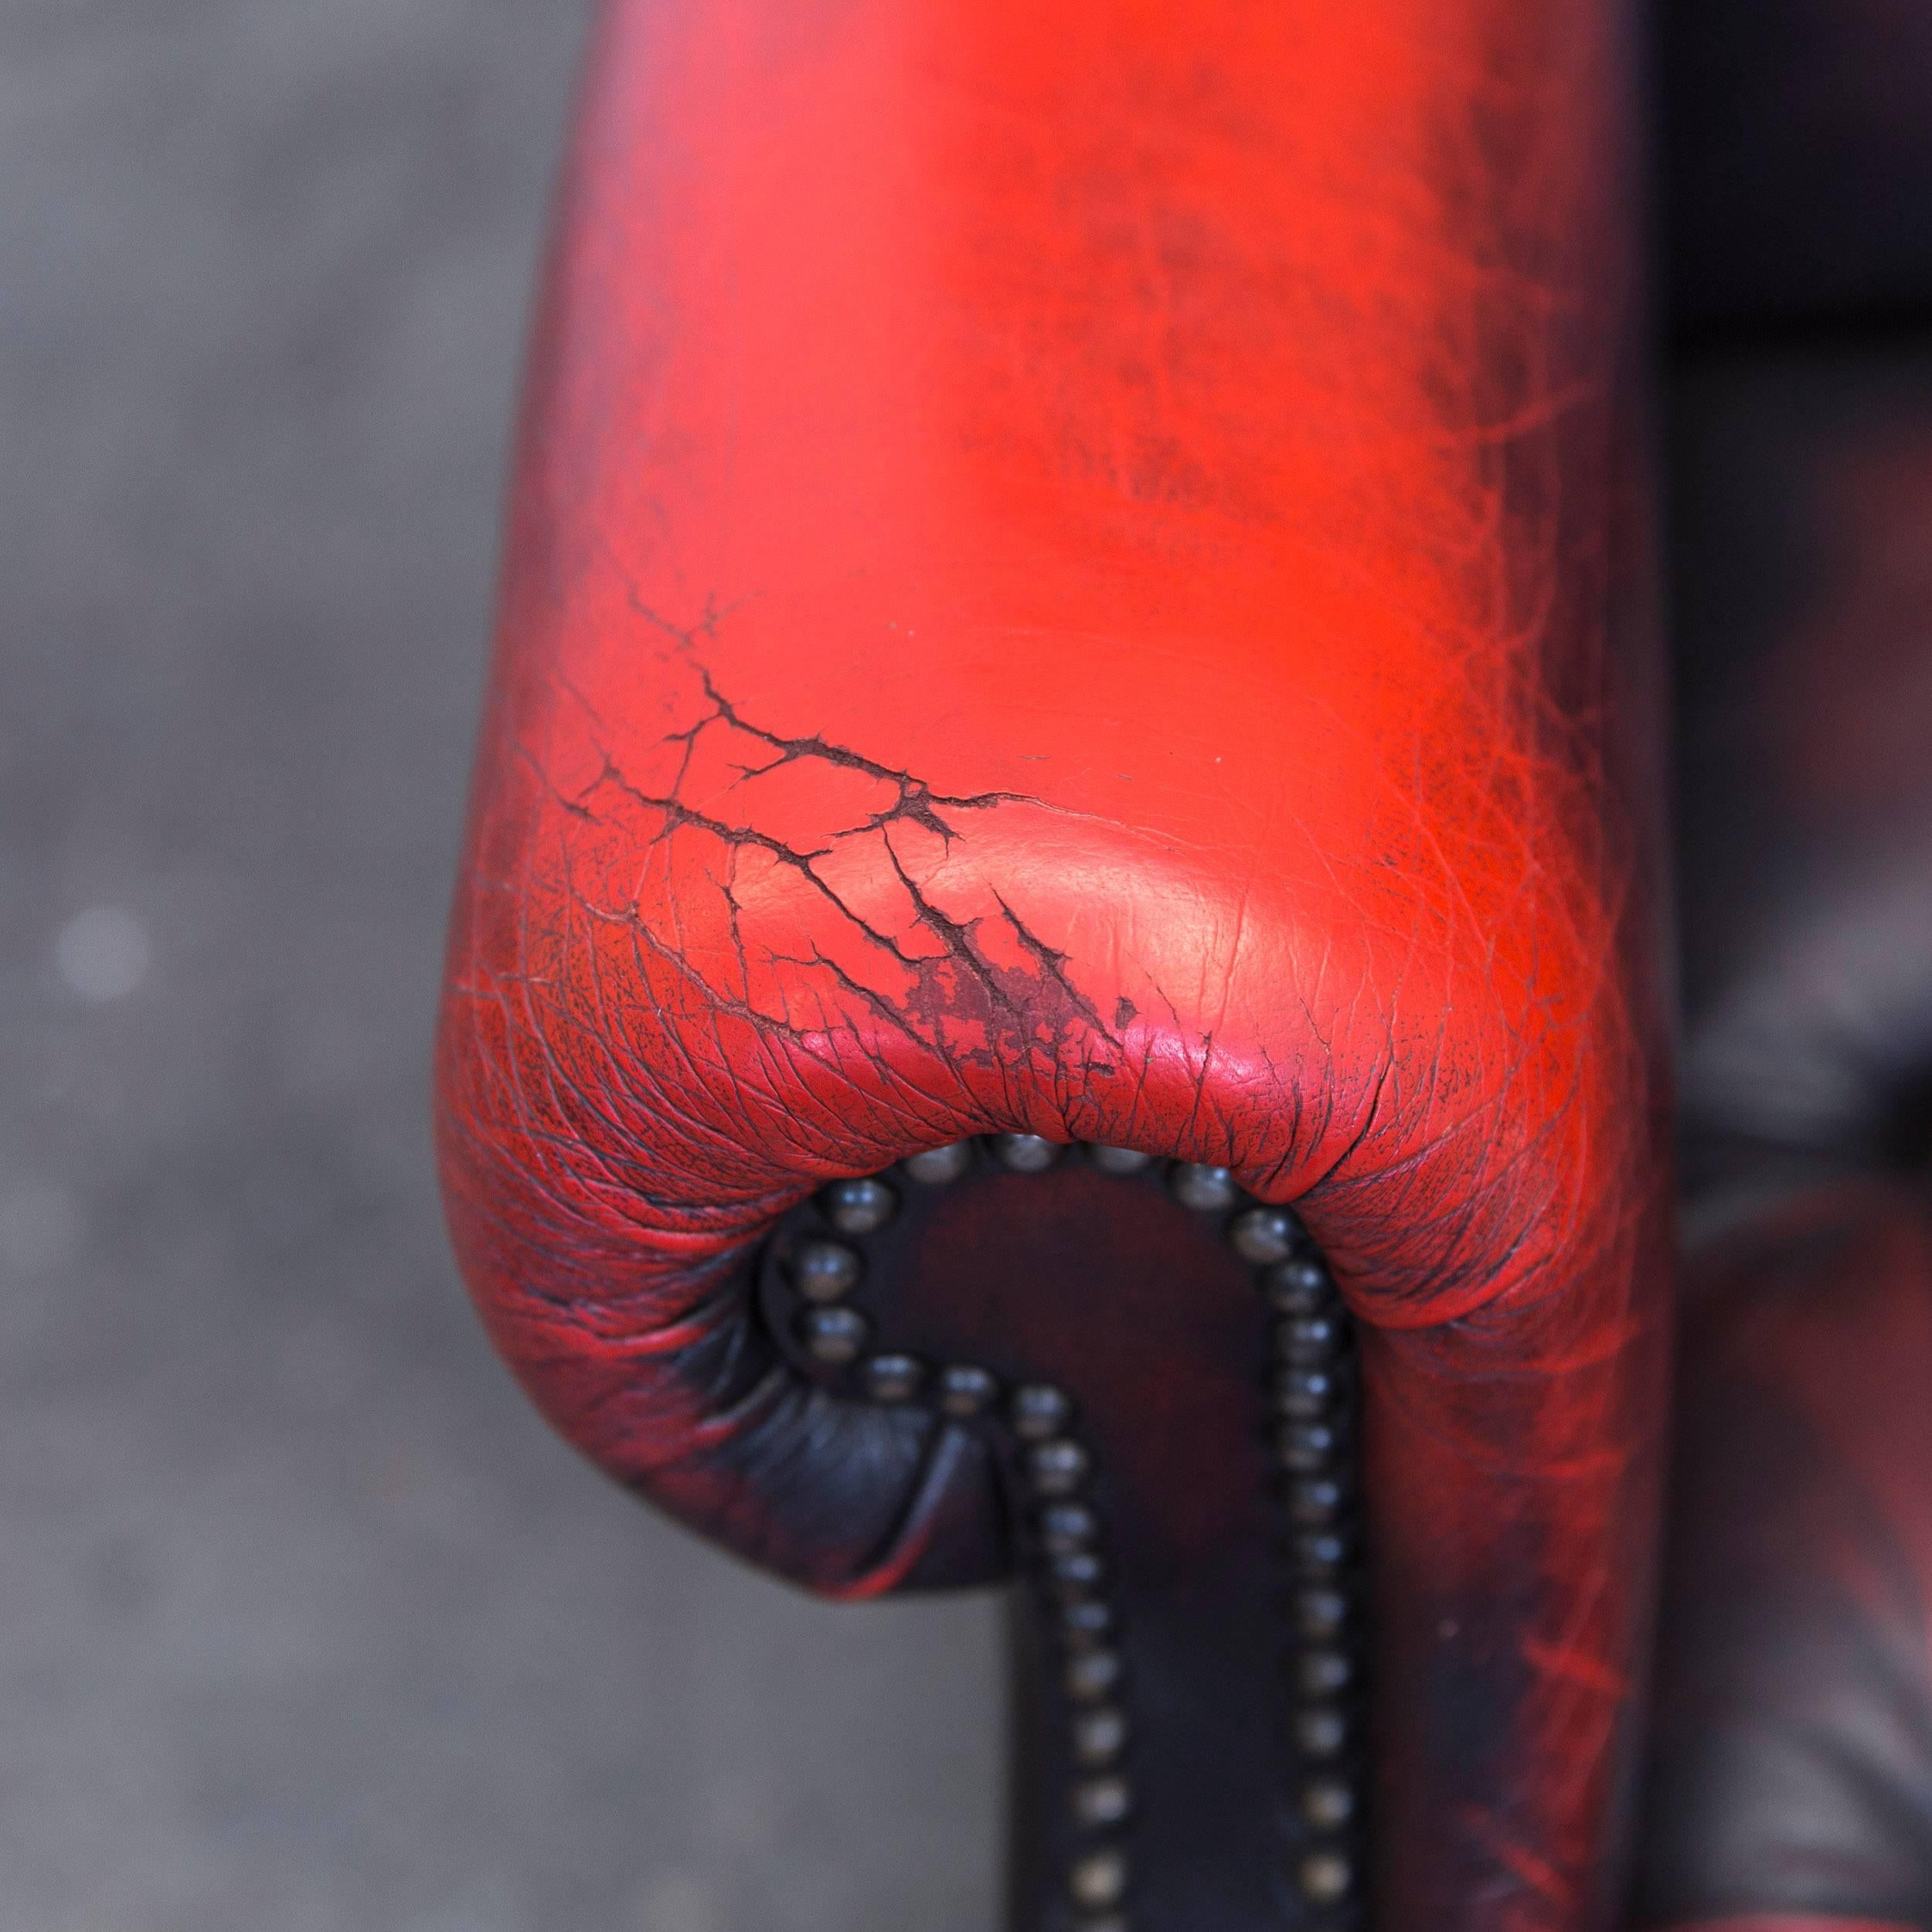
x=1058, y=973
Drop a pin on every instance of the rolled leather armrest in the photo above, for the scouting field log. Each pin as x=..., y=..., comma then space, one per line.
x=1085, y=575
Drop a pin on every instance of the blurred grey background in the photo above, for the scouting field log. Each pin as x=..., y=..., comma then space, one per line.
x=306, y=1625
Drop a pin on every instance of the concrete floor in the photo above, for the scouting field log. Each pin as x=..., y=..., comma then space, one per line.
x=306, y=1625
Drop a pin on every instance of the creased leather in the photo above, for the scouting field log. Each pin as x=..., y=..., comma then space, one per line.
x=1792, y=1754
x=1789, y=1787
x=1085, y=573
x=1803, y=500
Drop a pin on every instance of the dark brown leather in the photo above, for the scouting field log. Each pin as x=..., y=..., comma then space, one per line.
x=1218, y=1595
x=1803, y=521
x=1798, y=149
x=1789, y=1782
x=1792, y=1766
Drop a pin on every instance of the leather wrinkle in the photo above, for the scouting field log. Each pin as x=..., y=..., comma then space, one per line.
x=1790, y=1768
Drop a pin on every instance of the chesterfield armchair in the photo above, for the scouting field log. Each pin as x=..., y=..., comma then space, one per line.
x=1060, y=980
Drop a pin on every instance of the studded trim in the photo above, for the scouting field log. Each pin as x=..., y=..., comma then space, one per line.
x=1311, y=1413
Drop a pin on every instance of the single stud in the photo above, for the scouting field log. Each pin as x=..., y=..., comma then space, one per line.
x=1308, y=1340
x=1263, y=1235
x=833, y=1335
x=858, y=1207
x=1092, y=1675
x=825, y=1270
x=1326, y=1878
x=1300, y=1287
x=1321, y=1550
x=1076, y=1572
x=938, y=1166
x=1086, y=1621
x=1307, y=1448
x=1099, y=1802
x=1328, y=1804
x=1321, y=1731
x=1100, y=1735
x=1038, y=1410
x=1057, y=1468
x=1066, y=1528
x=894, y=1378
x=1207, y=1190
x=1316, y=1499
x=1325, y=1671
x=1025, y=1153
x=1099, y=1880
x=1320, y=1613
x=1307, y=1393
x=964, y=1390
x=1120, y=1160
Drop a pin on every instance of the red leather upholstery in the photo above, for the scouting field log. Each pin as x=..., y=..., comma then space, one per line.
x=1083, y=572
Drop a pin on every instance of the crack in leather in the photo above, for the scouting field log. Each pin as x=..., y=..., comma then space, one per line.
x=1015, y=997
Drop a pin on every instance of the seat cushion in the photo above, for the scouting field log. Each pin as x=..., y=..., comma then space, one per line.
x=1804, y=502
x=1791, y=1771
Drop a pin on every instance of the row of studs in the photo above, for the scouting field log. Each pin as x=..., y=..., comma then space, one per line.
x=1057, y=1466
x=1311, y=1401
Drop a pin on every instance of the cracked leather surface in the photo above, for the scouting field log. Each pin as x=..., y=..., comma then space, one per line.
x=1072, y=578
